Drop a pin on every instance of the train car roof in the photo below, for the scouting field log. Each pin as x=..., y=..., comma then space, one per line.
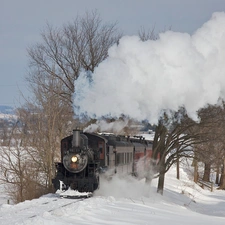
x=95, y=135
x=117, y=140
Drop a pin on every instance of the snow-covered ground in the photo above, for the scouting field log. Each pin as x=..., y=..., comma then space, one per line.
x=123, y=202
x=8, y=116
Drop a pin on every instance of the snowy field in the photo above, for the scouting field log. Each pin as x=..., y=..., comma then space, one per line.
x=124, y=202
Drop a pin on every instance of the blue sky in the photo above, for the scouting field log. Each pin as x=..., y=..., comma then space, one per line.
x=22, y=21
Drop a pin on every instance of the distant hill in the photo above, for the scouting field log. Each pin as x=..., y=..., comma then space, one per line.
x=7, y=116
x=4, y=109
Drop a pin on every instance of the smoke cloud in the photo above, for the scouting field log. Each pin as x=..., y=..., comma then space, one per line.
x=103, y=126
x=140, y=79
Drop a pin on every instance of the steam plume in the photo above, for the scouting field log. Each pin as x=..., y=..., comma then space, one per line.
x=140, y=79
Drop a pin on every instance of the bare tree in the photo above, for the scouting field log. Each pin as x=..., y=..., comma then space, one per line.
x=175, y=137
x=65, y=52
x=147, y=34
x=44, y=123
x=4, y=140
x=55, y=64
x=212, y=152
x=19, y=172
x=178, y=136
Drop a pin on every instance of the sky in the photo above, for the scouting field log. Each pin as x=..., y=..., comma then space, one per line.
x=124, y=201
x=22, y=21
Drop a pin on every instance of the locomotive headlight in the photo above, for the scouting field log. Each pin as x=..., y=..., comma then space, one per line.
x=74, y=159
x=75, y=163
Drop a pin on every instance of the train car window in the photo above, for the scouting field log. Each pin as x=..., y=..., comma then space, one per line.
x=122, y=158
x=101, y=150
x=126, y=158
x=131, y=156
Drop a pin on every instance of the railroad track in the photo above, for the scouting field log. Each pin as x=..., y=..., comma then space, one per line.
x=23, y=212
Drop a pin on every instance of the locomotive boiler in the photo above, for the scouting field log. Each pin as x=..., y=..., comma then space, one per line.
x=86, y=155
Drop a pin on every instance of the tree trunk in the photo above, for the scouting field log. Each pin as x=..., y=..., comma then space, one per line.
x=178, y=167
x=217, y=175
x=206, y=176
x=161, y=180
x=222, y=179
x=195, y=165
x=159, y=147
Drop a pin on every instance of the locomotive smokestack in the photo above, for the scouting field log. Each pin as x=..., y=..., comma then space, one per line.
x=76, y=138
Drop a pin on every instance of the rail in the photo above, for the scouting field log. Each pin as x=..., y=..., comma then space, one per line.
x=204, y=184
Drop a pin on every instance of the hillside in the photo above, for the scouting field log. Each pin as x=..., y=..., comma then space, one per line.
x=7, y=116
x=8, y=110
x=125, y=202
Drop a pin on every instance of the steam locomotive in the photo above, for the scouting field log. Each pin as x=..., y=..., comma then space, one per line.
x=86, y=155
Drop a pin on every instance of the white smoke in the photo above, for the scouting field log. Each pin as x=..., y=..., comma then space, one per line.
x=124, y=186
x=140, y=79
x=104, y=126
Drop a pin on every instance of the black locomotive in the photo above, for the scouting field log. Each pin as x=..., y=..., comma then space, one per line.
x=85, y=155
